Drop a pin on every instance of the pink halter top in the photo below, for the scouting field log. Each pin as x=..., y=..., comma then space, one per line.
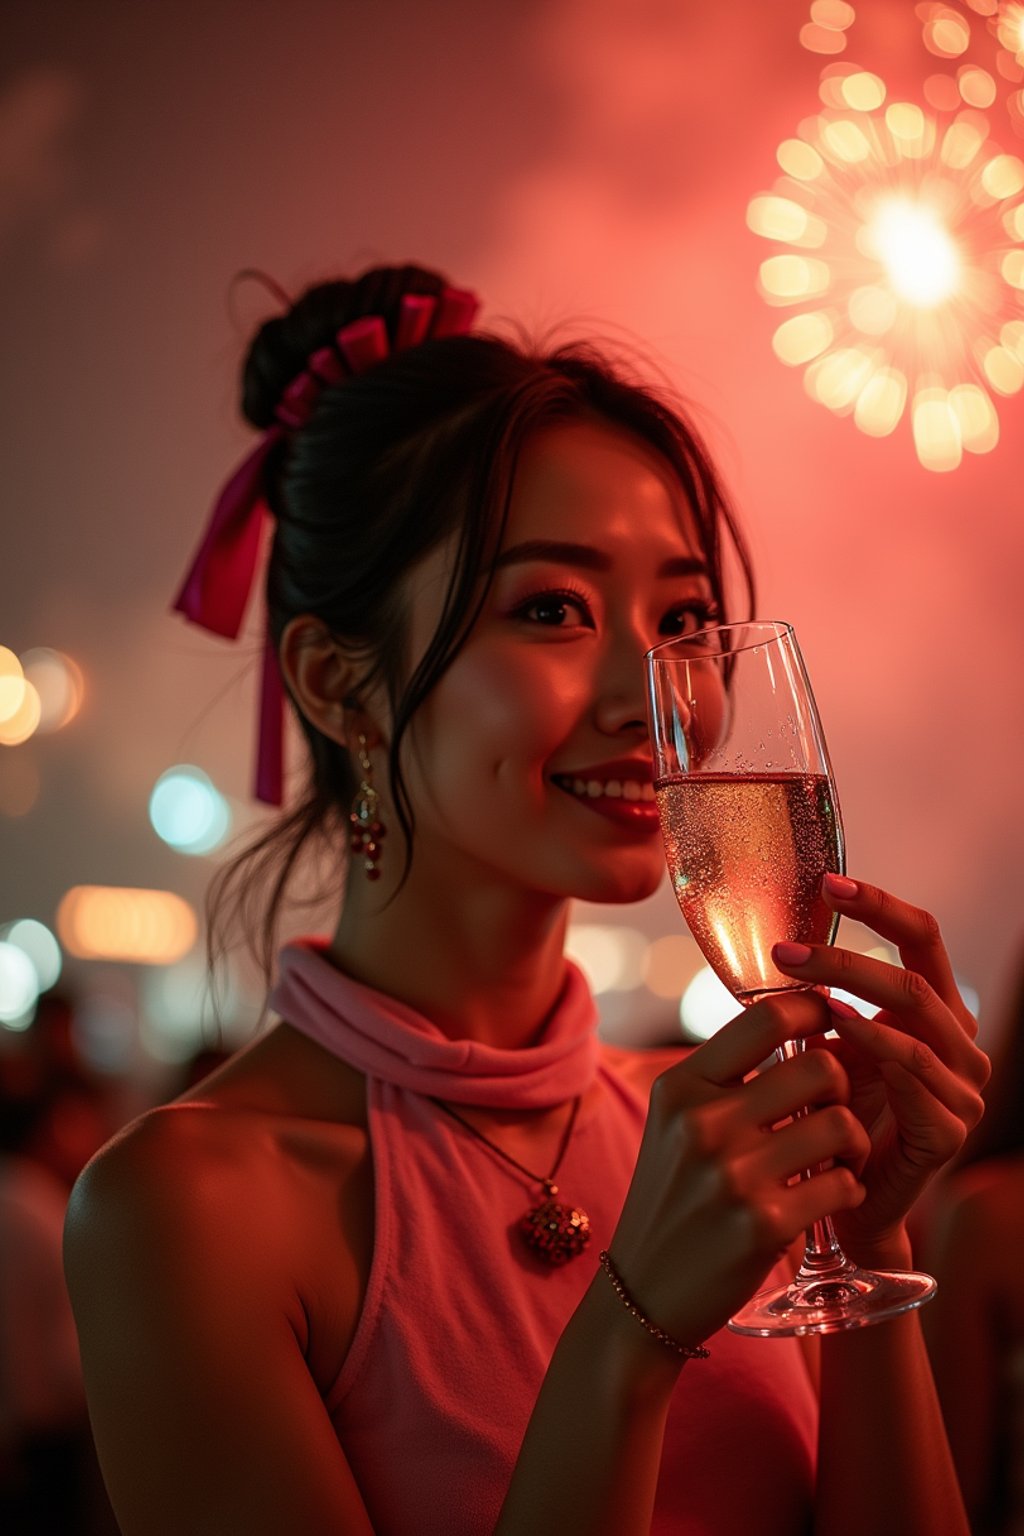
x=460, y=1319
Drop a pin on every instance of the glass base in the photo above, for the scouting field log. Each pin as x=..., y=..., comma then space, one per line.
x=832, y=1301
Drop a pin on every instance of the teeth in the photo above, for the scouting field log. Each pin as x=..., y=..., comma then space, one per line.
x=615, y=789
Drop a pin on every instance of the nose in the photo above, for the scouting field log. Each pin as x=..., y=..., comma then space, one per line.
x=621, y=705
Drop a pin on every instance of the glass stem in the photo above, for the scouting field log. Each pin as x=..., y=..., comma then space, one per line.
x=822, y=1253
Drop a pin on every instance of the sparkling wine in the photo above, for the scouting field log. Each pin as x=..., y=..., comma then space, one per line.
x=746, y=853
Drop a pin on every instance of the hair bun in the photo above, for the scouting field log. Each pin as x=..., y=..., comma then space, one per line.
x=282, y=346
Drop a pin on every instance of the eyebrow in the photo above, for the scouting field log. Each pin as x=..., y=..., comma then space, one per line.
x=590, y=558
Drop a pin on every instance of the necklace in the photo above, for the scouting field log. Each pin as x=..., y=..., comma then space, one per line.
x=555, y=1232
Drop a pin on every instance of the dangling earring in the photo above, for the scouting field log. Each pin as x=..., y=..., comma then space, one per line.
x=367, y=829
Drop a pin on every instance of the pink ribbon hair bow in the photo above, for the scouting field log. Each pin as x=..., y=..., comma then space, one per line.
x=217, y=587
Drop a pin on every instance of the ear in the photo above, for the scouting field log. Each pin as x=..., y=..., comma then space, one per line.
x=326, y=682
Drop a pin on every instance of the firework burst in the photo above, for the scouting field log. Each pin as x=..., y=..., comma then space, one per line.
x=898, y=245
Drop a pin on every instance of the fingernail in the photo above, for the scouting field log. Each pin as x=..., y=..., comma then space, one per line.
x=791, y=954
x=842, y=1010
x=840, y=886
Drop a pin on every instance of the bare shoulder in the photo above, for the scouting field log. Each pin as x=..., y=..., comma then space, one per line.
x=277, y=1189
x=255, y=1189
x=179, y=1183
x=195, y=1248
x=639, y=1068
x=176, y=1167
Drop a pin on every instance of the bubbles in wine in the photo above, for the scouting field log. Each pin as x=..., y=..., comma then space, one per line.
x=746, y=854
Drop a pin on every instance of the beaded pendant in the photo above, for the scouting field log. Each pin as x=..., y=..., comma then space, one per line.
x=555, y=1232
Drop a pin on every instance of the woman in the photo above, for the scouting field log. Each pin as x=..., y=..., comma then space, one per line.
x=342, y=1286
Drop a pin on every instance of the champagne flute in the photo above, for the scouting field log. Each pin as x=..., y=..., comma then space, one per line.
x=751, y=823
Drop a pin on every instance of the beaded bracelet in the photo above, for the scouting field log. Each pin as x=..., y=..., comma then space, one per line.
x=688, y=1351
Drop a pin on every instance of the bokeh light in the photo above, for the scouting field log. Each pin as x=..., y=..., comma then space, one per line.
x=58, y=682
x=22, y=722
x=109, y=923
x=976, y=86
x=182, y=1013
x=20, y=706
x=668, y=965
x=946, y=33
x=611, y=956
x=41, y=947
x=188, y=812
x=706, y=1005
x=1010, y=30
x=825, y=32
x=12, y=683
x=19, y=987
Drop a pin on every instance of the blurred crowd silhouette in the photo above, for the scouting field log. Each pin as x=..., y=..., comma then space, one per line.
x=973, y=1244
x=55, y=1112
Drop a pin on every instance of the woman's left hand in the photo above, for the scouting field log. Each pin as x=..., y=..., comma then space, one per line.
x=915, y=1071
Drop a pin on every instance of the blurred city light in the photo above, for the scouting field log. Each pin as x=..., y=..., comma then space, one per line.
x=19, y=987
x=182, y=1014
x=39, y=944
x=12, y=683
x=19, y=702
x=143, y=927
x=58, y=682
x=706, y=1005
x=188, y=812
x=969, y=994
x=611, y=956
x=22, y=723
x=668, y=965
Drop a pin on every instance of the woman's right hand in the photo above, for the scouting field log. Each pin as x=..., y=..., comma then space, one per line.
x=711, y=1208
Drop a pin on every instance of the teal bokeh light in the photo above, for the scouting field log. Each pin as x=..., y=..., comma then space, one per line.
x=188, y=812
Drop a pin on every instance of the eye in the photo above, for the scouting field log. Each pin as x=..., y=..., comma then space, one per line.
x=558, y=609
x=686, y=618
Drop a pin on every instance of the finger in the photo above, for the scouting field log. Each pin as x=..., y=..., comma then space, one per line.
x=783, y=1212
x=746, y=1041
x=915, y=932
x=887, y=1046
x=811, y=1200
x=908, y=995
x=812, y=1078
x=818, y=1137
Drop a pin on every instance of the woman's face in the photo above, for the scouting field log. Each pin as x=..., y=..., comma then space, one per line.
x=529, y=764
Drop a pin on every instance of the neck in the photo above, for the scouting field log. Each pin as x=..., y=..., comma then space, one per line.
x=487, y=969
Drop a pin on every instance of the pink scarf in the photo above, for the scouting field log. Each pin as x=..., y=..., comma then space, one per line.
x=391, y=1042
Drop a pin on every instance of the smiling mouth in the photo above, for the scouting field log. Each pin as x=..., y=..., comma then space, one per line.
x=629, y=790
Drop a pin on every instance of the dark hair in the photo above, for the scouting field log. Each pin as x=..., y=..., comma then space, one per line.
x=422, y=447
